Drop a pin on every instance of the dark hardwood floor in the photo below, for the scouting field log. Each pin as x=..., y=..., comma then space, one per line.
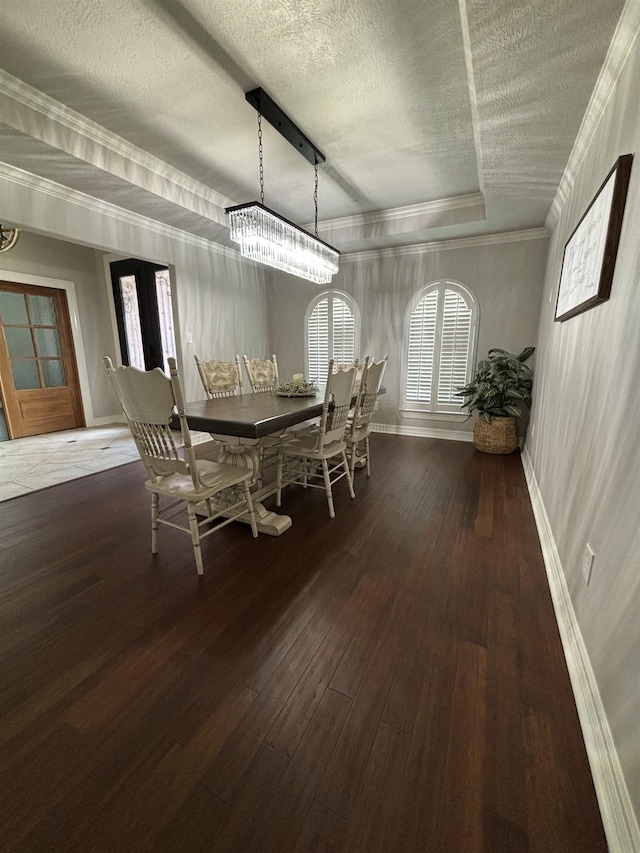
x=391, y=680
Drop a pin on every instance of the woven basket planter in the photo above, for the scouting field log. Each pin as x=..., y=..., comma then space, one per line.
x=500, y=435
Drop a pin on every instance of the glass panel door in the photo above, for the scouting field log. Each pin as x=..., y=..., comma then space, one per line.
x=131, y=311
x=165, y=316
x=38, y=375
x=142, y=294
x=32, y=339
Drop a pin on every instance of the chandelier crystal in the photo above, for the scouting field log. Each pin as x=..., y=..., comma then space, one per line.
x=266, y=237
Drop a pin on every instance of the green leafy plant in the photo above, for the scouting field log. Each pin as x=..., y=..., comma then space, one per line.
x=500, y=387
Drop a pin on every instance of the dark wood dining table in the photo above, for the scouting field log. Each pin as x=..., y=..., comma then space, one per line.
x=252, y=416
x=245, y=425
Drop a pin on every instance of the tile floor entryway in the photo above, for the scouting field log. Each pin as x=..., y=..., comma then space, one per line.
x=29, y=464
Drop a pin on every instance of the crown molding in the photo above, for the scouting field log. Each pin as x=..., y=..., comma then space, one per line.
x=105, y=208
x=473, y=94
x=443, y=212
x=440, y=245
x=113, y=211
x=622, y=43
x=398, y=213
x=30, y=97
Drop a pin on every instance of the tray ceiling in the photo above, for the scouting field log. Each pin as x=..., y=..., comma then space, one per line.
x=437, y=119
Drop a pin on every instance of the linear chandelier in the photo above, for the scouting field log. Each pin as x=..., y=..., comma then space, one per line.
x=263, y=234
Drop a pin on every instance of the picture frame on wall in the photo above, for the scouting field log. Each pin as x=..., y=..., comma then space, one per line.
x=590, y=252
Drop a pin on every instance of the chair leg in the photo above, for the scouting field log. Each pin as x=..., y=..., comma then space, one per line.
x=353, y=458
x=252, y=513
x=366, y=450
x=279, y=479
x=327, y=487
x=195, y=538
x=155, y=509
x=345, y=465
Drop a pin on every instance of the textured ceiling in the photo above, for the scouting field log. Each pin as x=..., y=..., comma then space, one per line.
x=410, y=101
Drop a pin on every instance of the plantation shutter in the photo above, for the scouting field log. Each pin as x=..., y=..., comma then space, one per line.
x=344, y=329
x=331, y=333
x=422, y=345
x=454, y=347
x=440, y=347
x=318, y=341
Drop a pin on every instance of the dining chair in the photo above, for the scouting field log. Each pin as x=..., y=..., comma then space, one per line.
x=359, y=425
x=220, y=378
x=348, y=365
x=263, y=378
x=149, y=400
x=263, y=375
x=306, y=457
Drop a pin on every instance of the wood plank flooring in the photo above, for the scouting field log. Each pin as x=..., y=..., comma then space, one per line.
x=391, y=680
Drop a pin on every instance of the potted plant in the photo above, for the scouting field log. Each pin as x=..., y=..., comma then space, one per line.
x=499, y=389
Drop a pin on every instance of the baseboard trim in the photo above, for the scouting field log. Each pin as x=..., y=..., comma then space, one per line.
x=107, y=421
x=423, y=432
x=616, y=808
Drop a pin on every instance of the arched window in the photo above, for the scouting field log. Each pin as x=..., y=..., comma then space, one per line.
x=440, y=340
x=332, y=330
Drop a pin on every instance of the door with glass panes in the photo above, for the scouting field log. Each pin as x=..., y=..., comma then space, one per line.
x=38, y=373
x=142, y=297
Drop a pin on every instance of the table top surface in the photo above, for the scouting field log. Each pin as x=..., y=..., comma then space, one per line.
x=252, y=415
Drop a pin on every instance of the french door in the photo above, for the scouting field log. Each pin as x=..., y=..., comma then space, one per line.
x=38, y=373
x=142, y=297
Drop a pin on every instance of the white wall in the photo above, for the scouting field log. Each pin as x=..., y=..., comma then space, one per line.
x=585, y=445
x=504, y=273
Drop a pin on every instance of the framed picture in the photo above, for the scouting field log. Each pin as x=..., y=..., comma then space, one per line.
x=590, y=252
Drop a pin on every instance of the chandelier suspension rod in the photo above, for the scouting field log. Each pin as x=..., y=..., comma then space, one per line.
x=270, y=111
x=260, y=157
x=315, y=196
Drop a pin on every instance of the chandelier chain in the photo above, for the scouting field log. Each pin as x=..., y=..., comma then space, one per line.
x=260, y=157
x=315, y=194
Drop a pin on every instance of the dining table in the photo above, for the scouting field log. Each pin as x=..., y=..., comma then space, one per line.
x=247, y=425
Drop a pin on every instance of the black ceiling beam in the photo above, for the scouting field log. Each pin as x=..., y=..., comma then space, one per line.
x=259, y=99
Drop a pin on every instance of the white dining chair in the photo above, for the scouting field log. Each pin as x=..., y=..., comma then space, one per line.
x=262, y=374
x=305, y=458
x=359, y=425
x=149, y=400
x=348, y=365
x=220, y=378
x=263, y=378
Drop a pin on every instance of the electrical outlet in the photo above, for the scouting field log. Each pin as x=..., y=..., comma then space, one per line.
x=376, y=406
x=587, y=564
x=189, y=337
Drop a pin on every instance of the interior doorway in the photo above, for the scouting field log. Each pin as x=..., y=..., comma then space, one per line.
x=144, y=315
x=39, y=382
